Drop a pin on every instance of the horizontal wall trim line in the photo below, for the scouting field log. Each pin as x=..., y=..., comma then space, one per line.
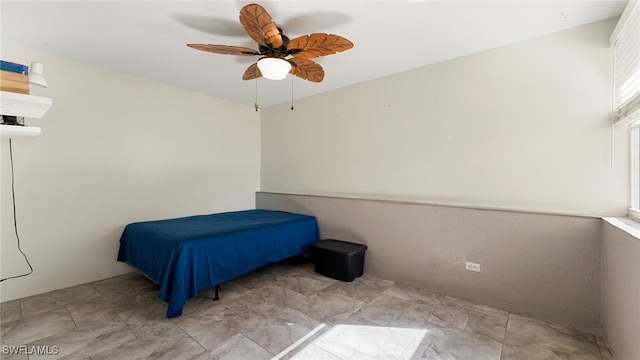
x=461, y=206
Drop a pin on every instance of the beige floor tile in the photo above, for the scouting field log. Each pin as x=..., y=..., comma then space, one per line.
x=464, y=316
x=57, y=299
x=368, y=341
x=328, y=307
x=149, y=319
x=281, y=330
x=363, y=288
x=10, y=311
x=389, y=311
x=81, y=342
x=282, y=311
x=212, y=328
x=35, y=327
x=452, y=343
x=236, y=348
x=303, y=283
x=537, y=340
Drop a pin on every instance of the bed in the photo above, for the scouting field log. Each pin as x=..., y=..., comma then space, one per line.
x=187, y=255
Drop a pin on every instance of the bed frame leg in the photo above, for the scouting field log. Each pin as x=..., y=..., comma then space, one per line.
x=216, y=297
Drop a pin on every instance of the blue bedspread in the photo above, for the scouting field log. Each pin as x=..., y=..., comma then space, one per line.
x=187, y=255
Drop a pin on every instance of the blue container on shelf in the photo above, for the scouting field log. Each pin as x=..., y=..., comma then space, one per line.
x=14, y=67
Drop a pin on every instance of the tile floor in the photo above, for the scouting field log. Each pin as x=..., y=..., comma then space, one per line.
x=281, y=311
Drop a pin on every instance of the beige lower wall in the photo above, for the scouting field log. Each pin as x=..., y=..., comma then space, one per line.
x=540, y=265
x=621, y=287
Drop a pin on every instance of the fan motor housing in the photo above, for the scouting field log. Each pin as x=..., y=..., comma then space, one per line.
x=280, y=52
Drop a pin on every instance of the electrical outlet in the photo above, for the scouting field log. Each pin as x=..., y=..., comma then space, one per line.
x=472, y=266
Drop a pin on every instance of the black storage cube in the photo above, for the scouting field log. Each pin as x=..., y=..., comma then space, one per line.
x=339, y=259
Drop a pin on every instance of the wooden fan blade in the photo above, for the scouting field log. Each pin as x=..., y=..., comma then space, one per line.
x=258, y=24
x=314, y=45
x=306, y=69
x=252, y=72
x=224, y=49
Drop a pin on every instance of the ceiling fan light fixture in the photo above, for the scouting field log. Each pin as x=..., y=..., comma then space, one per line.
x=275, y=48
x=274, y=68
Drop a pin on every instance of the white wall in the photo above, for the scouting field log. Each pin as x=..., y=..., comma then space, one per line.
x=523, y=126
x=115, y=149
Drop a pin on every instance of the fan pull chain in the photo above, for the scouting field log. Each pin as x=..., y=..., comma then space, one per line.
x=255, y=104
x=292, y=93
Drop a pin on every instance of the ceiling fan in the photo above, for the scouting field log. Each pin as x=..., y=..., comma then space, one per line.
x=279, y=54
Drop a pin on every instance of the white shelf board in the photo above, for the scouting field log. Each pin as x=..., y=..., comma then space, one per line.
x=18, y=132
x=21, y=105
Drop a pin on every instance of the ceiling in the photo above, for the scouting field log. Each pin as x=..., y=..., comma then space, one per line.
x=148, y=38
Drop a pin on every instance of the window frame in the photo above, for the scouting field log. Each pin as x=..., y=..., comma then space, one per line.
x=634, y=145
x=628, y=113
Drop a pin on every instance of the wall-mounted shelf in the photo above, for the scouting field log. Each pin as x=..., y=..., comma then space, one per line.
x=21, y=105
x=19, y=132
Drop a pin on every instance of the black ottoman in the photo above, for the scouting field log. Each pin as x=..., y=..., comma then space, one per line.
x=338, y=259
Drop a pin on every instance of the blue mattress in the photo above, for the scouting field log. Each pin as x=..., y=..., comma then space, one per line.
x=187, y=255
